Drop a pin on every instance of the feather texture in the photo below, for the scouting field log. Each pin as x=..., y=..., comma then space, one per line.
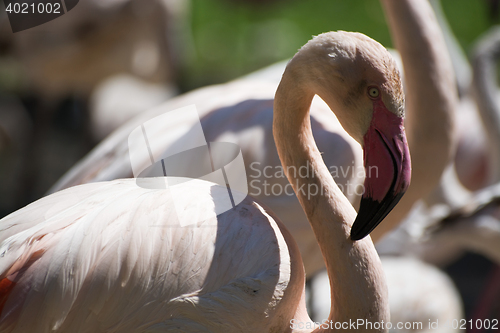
x=93, y=264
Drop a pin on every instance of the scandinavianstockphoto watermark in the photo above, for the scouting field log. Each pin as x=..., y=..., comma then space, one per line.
x=264, y=179
x=363, y=324
x=358, y=324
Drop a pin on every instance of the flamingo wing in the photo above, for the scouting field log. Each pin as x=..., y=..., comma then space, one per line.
x=113, y=257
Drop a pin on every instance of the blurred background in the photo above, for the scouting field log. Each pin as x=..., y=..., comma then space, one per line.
x=231, y=38
x=59, y=81
x=51, y=70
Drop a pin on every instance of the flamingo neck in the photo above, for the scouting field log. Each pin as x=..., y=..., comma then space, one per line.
x=358, y=289
x=431, y=100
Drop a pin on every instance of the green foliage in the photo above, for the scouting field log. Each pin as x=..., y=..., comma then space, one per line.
x=232, y=38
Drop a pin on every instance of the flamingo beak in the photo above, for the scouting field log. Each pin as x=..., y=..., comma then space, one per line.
x=388, y=169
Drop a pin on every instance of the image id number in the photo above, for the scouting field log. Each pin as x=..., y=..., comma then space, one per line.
x=40, y=8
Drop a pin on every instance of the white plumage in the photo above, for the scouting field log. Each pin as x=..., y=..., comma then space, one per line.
x=98, y=266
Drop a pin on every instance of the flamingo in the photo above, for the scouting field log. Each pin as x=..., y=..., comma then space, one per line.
x=476, y=160
x=111, y=256
x=472, y=222
x=431, y=100
x=433, y=96
x=467, y=216
x=464, y=219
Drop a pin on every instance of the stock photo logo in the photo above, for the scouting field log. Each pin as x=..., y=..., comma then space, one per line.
x=189, y=161
x=25, y=14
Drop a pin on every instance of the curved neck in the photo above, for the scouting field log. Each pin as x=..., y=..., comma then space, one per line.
x=431, y=98
x=485, y=89
x=459, y=60
x=357, y=282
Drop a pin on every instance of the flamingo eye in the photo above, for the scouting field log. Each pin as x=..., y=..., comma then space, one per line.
x=373, y=92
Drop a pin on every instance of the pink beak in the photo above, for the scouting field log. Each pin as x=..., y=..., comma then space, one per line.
x=388, y=169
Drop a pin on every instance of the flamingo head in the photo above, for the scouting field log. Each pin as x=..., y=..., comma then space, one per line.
x=385, y=149
x=366, y=93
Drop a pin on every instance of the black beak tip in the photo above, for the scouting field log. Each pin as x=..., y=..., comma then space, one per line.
x=369, y=216
x=355, y=236
x=360, y=230
x=371, y=213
